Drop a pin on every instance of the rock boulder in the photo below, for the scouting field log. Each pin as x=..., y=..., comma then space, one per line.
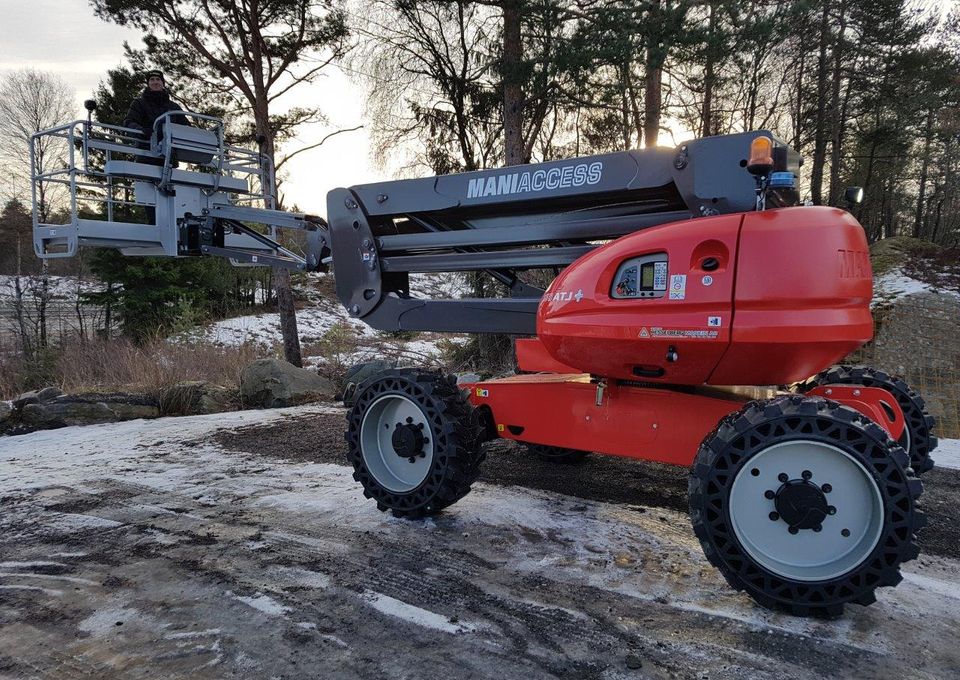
x=272, y=383
x=197, y=397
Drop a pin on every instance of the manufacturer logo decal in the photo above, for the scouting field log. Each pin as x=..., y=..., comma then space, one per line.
x=714, y=321
x=567, y=296
x=482, y=392
x=708, y=280
x=576, y=175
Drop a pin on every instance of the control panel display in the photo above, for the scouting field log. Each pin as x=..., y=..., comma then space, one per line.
x=641, y=277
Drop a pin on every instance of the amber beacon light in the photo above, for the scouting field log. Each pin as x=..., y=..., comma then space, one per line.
x=761, y=156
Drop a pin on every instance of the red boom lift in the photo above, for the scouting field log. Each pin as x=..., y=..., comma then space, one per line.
x=690, y=290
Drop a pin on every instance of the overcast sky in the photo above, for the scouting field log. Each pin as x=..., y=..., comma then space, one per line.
x=64, y=37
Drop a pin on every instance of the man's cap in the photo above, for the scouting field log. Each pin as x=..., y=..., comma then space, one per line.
x=156, y=74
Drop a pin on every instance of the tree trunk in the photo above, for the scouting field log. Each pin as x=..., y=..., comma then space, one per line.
x=512, y=88
x=836, y=109
x=26, y=340
x=924, y=169
x=706, y=113
x=44, y=300
x=281, y=278
x=820, y=134
x=651, y=103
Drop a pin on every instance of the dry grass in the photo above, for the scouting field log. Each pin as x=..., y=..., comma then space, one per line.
x=120, y=365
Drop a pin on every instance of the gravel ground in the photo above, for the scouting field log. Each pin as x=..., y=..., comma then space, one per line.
x=205, y=547
x=598, y=478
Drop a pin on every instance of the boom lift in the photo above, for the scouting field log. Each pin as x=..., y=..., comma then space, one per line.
x=687, y=284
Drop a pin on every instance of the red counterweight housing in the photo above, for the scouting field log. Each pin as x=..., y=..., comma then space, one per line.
x=760, y=298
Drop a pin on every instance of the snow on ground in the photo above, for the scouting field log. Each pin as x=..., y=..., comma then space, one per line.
x=947, y=454
x=59, y=287
x=348, y=339
x=894, y=285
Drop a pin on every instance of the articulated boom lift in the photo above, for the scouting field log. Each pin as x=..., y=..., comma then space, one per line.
x=686, y=284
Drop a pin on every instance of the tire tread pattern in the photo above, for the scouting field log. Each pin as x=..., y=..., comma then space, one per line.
x=457, y=454
x=740, y=435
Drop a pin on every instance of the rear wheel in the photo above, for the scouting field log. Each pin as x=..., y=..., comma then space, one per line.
x=556, y=454
x=917, y=438
x=412, y=441
x=805, y=505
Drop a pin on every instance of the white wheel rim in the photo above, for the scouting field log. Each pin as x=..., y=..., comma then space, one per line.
x=847, y=538
x=388, y=468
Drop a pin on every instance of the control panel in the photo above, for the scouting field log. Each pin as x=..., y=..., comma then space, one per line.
x=641, y=277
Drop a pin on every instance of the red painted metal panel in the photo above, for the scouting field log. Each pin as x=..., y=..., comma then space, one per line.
x=802, y=297
x=648, y=423
x=533, y=357
x=582, y=325
x=875, y=403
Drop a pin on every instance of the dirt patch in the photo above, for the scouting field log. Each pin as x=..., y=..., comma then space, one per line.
x=319, y=439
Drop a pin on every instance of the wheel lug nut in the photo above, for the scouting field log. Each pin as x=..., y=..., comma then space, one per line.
x=826, y=488
x=769, y=495
x=774, y=516
x=409, y=419
x=806, y=474
x=831, y=510
x=793, y=530
x=420, y=425
x=412, y=459
x=783, y=477
x=845, y=533
x=818, y=528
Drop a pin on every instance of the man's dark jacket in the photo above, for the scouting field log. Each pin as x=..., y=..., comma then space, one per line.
x=149, y=106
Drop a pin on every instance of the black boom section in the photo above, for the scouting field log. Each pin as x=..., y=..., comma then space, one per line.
x=508, y=220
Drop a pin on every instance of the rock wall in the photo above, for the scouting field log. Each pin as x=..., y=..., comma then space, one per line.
x=918, y=338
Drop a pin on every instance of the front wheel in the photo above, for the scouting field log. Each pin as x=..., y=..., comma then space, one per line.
x=804, y=504
x=413, y=442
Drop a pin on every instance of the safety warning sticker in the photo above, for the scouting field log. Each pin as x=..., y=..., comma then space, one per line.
x=644, y=333
x=658, y=332
x=678, y=286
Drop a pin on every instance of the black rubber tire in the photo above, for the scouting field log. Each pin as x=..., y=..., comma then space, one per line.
x=556, y=454
x=918, y=420
x=457, y=455
x=759, y=424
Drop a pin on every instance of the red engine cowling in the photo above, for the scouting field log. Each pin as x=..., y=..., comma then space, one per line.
x=758, y=298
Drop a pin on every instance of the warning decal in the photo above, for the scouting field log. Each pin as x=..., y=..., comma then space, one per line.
x=644, y=333
x=683, y=333
x=678, y=286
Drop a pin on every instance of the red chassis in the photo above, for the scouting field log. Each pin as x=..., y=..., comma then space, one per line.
x=763, y=298
x=650, y=423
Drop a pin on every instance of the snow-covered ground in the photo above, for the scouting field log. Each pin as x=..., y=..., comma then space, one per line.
x=324, y=315
x=947, y=454
x=132, y=549
x=895, y=285
x=58, y=287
